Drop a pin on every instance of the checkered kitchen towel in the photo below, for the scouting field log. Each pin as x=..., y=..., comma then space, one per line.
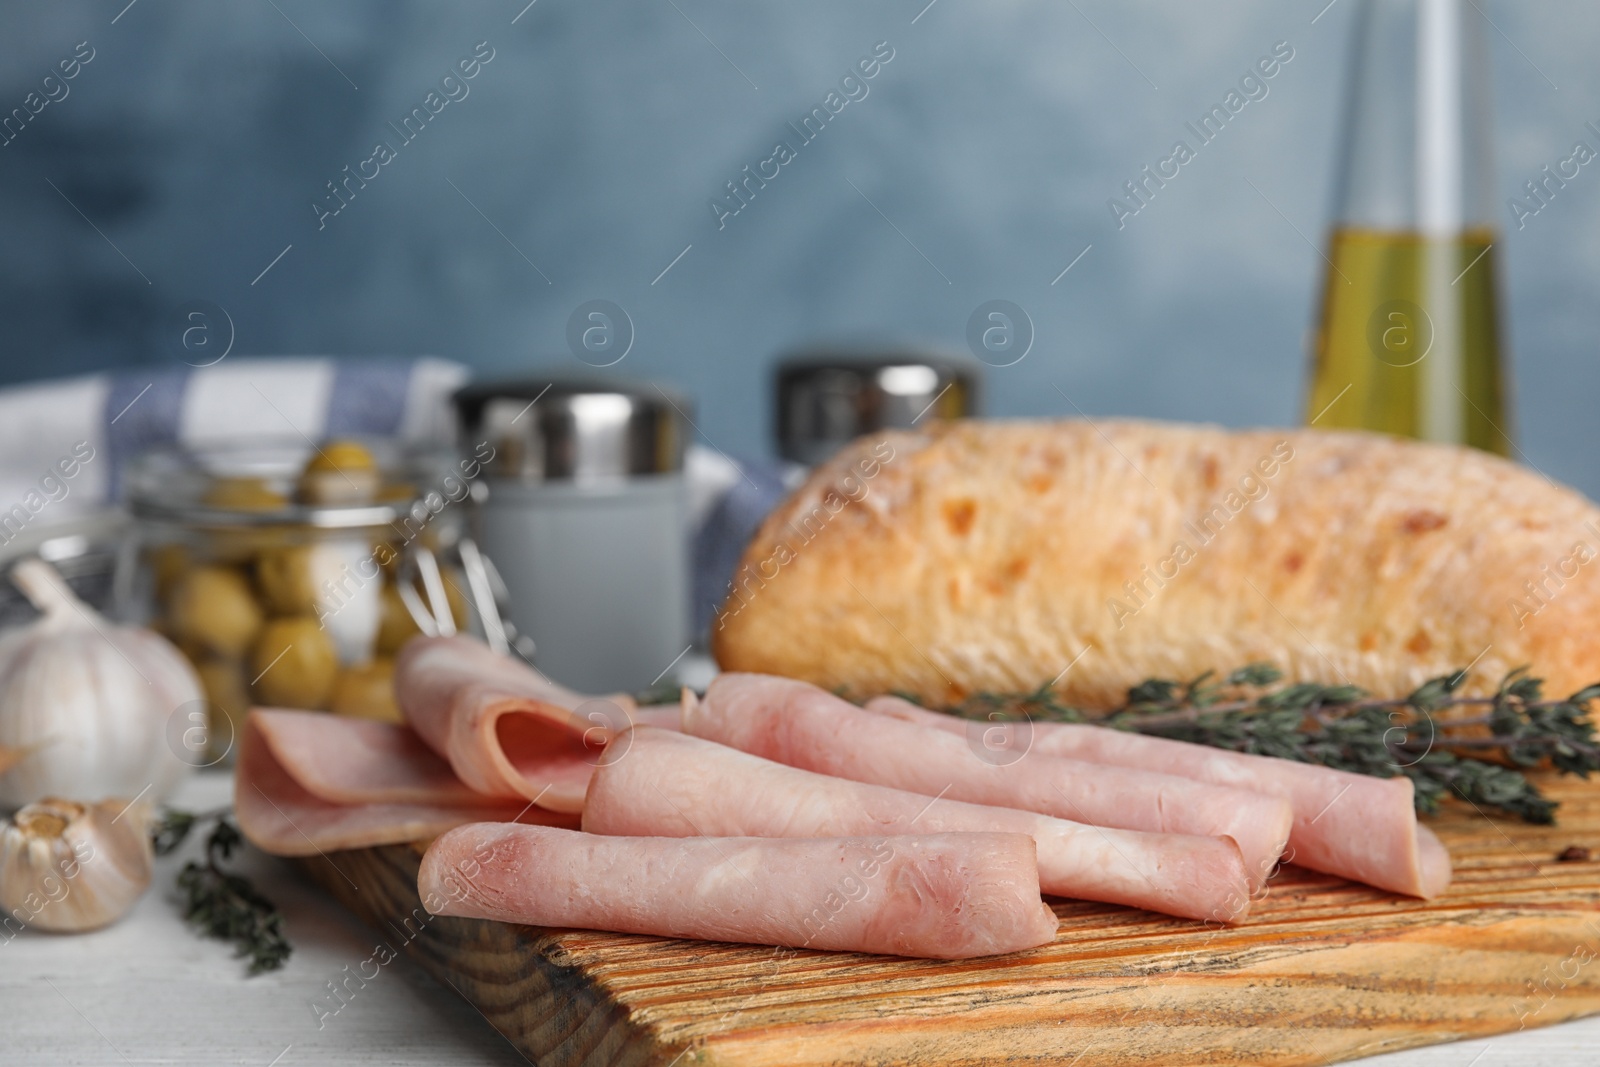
x=121, y=413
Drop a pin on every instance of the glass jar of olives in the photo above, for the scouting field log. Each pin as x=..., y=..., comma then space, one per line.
x=290, y=573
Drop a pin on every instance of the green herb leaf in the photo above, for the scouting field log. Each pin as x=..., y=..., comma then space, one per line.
x=1340, y=726
x=220, y=903
x=1256, y=674
x=171, y=830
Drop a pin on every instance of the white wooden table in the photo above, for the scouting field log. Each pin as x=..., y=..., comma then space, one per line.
x=148, y=991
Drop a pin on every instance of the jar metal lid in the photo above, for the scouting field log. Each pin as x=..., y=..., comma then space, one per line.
x=569, y=429
x=827, y=397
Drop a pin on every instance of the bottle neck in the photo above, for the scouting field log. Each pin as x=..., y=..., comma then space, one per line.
x=1441, y=118
x=1415, y=156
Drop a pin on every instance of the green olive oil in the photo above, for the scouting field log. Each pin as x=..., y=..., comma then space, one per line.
x=1408, y=342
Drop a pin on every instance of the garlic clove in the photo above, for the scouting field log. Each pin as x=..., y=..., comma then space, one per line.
x=68, y=867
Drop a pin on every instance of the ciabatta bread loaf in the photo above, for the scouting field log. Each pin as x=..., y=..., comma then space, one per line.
x=1002, y=555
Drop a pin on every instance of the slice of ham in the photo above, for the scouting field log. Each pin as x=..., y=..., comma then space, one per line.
x=655, y=782
x=1351, y=825
x=358, y=761
x=281, y=814
x=798, y=724
x=941, y=896
x=506, y=730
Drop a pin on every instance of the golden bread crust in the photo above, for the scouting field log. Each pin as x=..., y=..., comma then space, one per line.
x=992, y=555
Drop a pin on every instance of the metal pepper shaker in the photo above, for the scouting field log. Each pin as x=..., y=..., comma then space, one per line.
x=828, y=396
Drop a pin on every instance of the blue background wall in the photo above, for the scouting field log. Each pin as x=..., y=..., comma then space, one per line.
x=202, y=132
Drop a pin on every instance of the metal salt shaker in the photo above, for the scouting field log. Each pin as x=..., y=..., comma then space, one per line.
x=586, y=519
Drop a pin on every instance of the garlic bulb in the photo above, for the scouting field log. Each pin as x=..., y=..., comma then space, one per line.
x=66, y=867
x=85, y=705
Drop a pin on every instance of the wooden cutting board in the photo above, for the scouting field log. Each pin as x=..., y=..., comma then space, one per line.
x=1323, y=970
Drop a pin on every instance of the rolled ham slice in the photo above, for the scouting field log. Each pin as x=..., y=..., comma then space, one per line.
x=656, y=782
x=280, y=814
x=800, y=725
x=1351, y=825
x=506, y=730
x=941, y=896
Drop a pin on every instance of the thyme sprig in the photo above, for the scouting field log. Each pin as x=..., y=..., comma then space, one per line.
x=1429, y=735
x=219, y=903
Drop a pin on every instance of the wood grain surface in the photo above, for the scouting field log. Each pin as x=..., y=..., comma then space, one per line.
x=1323, y=970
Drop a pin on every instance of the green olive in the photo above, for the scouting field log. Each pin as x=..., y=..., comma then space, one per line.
x=339, y=472
x=243, y=494
x=341, y=455
x=396, y=493
x=212, y=607
x=395, y=624
x=167, y=563
x=284, y=576
x=366, y=691
x=294, y=663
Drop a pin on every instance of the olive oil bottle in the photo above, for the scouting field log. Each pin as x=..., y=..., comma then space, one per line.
x=1408, y=339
